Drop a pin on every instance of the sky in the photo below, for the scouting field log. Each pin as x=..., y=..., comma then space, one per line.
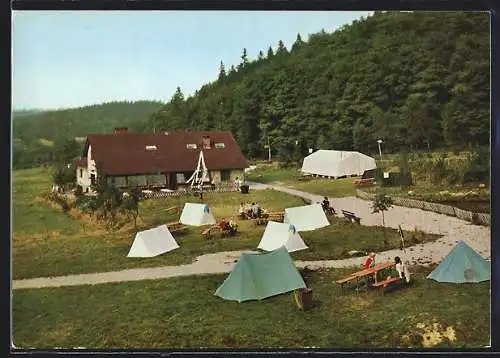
x=65, y=59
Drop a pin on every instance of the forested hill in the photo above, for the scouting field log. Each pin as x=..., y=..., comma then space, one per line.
x=417, y=79
x=44, y=137
x=75, y=122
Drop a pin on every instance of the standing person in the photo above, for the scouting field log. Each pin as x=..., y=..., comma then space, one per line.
x=369, y=261
x=237, y=182
x=402, y=269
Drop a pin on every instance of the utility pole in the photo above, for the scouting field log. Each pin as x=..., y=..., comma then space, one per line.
x=268, y=149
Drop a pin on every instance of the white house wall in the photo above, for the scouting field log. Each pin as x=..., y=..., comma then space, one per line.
x=84, y=180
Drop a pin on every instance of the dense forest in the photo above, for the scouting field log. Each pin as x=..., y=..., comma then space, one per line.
x=418, y=81
x=49, y=136
x=415, y=80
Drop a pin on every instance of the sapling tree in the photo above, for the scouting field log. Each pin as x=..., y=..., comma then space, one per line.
x=382, y=203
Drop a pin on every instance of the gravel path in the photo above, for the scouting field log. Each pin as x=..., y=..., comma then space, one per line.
x=452, y=229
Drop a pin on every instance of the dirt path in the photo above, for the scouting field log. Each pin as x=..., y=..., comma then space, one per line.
x=452, y=229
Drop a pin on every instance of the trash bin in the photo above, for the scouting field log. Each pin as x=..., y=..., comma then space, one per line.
x=244, y=189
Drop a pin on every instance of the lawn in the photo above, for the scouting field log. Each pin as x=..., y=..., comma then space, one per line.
x=184, y=313
x=273, y=174
x=70, y=246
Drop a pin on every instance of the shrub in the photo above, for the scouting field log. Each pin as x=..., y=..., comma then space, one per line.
x=475, y=219
x=78, y=191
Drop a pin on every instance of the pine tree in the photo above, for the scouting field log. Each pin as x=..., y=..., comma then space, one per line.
x=222, y=71
x=270, y=52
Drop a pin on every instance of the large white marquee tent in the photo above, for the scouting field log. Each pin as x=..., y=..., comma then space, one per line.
x=337, y=163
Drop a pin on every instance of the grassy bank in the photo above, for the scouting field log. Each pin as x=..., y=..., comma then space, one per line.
x=184, y=313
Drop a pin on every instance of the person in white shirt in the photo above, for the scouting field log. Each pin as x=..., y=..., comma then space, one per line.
x=402, y=269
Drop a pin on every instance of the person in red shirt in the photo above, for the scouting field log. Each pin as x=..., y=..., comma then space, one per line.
x=369, y=261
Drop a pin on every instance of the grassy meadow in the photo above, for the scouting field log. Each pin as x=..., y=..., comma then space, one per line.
x=184, y=313
x=49, y=242
x=273, y=174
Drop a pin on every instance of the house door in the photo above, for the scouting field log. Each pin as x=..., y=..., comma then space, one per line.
x=172, y=181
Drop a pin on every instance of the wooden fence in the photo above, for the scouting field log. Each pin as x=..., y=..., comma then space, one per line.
x=188, y=192
x=481, y=218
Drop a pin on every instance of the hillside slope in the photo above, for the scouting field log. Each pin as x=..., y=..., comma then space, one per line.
x=78, y=122
x=418, y=80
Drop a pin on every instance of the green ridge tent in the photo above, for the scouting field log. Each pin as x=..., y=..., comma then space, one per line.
x=462, y=265
x=262, y=275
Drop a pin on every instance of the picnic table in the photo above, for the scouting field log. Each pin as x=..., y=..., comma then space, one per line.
x=357, y=276
x=176, y=226
x=277, y=216
x=208, y=233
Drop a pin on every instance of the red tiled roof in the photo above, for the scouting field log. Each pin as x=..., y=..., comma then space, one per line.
x=125, y=153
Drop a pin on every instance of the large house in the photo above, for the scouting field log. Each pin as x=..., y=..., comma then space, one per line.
x=161, y=160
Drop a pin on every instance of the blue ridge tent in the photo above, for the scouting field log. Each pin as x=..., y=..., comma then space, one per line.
x=462, y=265
x=261, y=275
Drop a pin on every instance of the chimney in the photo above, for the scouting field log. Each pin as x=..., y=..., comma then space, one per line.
x=121, y=130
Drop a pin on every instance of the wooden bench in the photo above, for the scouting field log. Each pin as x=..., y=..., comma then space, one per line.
x=348, y=215
x=176, y=226
x=364, y=181
x=383, y=284
x=345, y=281
x=277, y=216
x=260, y=221
x=208, y=232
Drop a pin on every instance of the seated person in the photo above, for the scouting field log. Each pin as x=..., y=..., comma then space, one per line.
x=369, y=261
x=233, y=227
x=401, y=269
x=222, y=224
x=241, y=210
x=325, y=204
x=255, y=210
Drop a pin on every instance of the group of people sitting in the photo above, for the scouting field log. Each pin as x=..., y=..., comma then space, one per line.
x=252, y=210
x=325, y=204
x=229, y=226
x=400, y=268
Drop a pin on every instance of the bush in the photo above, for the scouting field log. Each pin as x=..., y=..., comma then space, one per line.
x=78, y=191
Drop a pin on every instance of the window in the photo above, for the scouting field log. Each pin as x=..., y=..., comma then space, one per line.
x=225, y=175
x=206, y=142
x=92, y=179
x=151, y=147
x=191, y=146
x=81, y=173
x=220, y=145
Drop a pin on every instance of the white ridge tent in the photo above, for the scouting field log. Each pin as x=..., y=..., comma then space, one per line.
x=277, y=235
x=337, y=163
x=197, y=215
x=307, y=217
x=153, y=242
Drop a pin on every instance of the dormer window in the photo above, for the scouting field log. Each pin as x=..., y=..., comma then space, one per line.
x=220, y=145
x=151, y=147
x=191, y=146
x=205, y=140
